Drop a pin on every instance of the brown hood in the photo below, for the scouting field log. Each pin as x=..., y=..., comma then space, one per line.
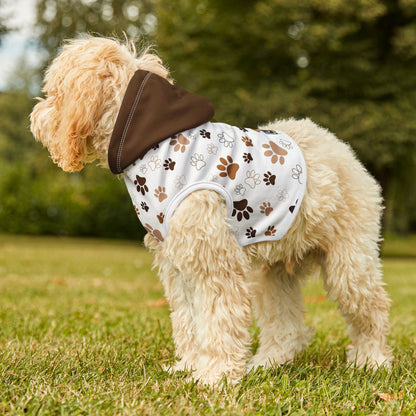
x=152, y=110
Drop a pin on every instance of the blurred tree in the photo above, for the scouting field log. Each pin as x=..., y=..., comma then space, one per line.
x=36, y=197
x=350, y=66
x=60, y=19
x=4, y=27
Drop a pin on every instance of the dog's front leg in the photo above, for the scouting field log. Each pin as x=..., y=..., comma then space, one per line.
x=212, y=267
x=180, y=294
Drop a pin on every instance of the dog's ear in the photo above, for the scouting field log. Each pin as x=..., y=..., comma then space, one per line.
x=83, y=90
x=67, y=117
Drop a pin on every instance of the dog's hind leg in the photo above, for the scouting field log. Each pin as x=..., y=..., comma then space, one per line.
x=352, y=277
x=213, y=267
x=278, y=306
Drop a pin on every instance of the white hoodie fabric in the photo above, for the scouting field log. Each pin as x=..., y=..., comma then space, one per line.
x=260, y=174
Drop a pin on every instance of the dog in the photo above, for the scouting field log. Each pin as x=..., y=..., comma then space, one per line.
x=96, y=89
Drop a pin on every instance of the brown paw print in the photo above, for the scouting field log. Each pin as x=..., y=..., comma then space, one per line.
x=136, y=209
x=140, y=183
x=269, y=179
x=160, y=193
x=205, y=134
x=266, y=208
x=155, y=233
x=228, y=167
x=270, y=230
x=276, y=152
x=247, y=157
x=169, y=164
x=247, y=141
x=179, y=142
x=251, y=232
x=161, y=217
x=241, y=209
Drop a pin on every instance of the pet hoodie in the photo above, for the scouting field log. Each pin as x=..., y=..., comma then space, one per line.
x=166, y=147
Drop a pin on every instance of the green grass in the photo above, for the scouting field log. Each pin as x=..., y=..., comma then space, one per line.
x=83, y=331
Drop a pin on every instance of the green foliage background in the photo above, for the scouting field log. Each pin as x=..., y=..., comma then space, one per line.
x=350, y=66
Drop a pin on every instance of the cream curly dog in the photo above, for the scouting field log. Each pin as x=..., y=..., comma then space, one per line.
x=100, y=97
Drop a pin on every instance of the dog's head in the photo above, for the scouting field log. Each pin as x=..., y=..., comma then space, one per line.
x=84, y=87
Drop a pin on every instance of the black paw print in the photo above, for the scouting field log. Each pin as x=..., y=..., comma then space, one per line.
x=169, y=164
x=155, y=147
x=247, y=157
x=144, y=206
x=243, y=129
x=205, y=134
x=140, y=183
x=241, y=209
x=292, y=207
x=269, y=179
x=250, y=232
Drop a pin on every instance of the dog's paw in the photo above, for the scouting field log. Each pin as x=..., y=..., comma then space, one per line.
x=216, y=379
x=181, y=365
x=369, y=357
x=269, y=360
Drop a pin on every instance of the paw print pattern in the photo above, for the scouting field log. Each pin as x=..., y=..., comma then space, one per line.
x=180, y=181
x=136, y=209
x=160, y=217
x=226, y=139
x=247, y=157
x=269, y=178
x=169, y=164
x=241, y=209
x=179, y=142
x=154, y=163
x=160, y=193
x=240, y=189
x=250, y=232
x=266, y=208
x=144, y=206
x=271, y=231
x=252, y=179
x=155, y=233
x=247, y=141
x=228, y=167
x=212, y=149
x=292, y=207
x=286, y=144
x=276, y=152
x=282, y=194
x=141, y=186
x=205, y=134
x=143, y=169
x=197, y=161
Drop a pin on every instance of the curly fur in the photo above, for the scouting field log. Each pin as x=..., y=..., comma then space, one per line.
x=210, y=281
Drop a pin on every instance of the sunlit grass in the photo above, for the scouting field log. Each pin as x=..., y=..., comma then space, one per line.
x=83, y=330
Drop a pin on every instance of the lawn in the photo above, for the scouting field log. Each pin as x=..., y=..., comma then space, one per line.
x=84, y=329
